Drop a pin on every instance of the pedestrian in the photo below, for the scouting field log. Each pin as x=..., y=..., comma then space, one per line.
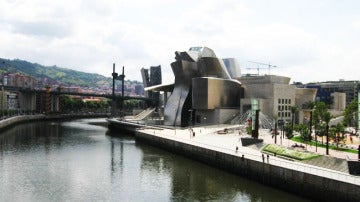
x=236, y=149
x=263, y=158
x=267, y=158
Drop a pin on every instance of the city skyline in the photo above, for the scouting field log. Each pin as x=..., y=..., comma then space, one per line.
x=307, y=41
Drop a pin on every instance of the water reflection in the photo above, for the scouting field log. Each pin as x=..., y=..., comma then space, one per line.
x=195, y=181
x=83, y=161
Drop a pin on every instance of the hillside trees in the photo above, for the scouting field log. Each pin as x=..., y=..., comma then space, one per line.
x=68, y=104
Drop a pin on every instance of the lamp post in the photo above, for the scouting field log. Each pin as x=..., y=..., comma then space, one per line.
x=281, y=124
x=310, y=126
x=275, y=131
x=327, y=118
x=327, y=138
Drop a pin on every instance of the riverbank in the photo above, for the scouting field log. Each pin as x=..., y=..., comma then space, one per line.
x=226, y=151
x=9, y=122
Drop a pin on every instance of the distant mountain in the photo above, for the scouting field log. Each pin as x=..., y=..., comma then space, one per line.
x=54, y=74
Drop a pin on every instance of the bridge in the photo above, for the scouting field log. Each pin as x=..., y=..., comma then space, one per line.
x=47, y=100
x=59, y=92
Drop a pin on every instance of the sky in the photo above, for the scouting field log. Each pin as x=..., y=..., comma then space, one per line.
x=307, y=40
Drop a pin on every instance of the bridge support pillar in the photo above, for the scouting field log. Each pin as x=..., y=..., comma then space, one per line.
x=55, y=103
x=27, y=101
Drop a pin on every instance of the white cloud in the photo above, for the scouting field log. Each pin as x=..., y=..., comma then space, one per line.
x=91, y=35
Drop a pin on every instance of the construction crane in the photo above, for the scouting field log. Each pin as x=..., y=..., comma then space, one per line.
x=269, y=66
x=258, y=69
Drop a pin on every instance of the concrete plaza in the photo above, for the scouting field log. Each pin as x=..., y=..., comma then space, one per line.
x=230, y=142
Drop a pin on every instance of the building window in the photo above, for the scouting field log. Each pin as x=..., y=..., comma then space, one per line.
x=279, y=101
x=279, y=107
x=285, y=101
x=279, y=114
x=282, y=101
x=289, y=101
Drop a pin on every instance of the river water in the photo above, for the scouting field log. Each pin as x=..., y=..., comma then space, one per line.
x=81, y=160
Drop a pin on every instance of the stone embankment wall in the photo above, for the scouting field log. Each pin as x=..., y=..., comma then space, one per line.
x=300, y=183
x=19, y=119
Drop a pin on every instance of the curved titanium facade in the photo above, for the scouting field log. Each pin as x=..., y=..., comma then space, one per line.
x=212, y=93
x=232, y=67
x=196, y=63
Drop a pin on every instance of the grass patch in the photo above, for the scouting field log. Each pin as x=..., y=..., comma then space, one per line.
x=319, y=144
x=289, y=153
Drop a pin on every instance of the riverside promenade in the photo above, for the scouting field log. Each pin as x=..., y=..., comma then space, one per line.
x=227, y=143
x=226, y=151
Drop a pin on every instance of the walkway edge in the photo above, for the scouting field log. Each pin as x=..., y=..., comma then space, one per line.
x=297, y=182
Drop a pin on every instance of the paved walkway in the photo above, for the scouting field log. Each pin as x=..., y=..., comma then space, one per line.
x=231, y=140
x=209, y=138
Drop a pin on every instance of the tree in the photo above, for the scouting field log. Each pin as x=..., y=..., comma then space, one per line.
x=350, y=115
x=321, y=130
x=288, y=129
x=308, y=105
x=320, y=109
x=337, y=133
x=327, y=118
x=303, y=129
x=294, y=109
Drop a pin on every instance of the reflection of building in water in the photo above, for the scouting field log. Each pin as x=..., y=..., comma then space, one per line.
x=208, y=90
x=117, y=157
x=43, y=134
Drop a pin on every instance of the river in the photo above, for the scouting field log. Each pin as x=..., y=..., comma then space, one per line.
x=80, y=160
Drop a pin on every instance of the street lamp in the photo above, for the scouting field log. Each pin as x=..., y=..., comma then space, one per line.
x=281, y=124
x=275, y=131
x=310, y=125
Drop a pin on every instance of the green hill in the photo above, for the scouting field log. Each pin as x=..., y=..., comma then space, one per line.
x=53, y=74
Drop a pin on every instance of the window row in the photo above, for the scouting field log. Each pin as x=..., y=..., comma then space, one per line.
x=284, y=108
x=284, y=101
x=284, y=114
